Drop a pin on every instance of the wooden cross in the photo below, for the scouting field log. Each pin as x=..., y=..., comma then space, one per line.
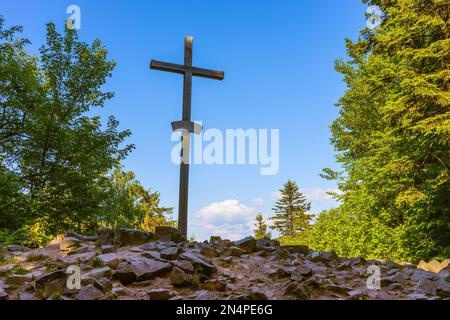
x=186, y=125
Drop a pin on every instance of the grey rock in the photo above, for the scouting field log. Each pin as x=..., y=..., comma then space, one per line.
x=209, y=252
x=214, y=285
x=106, y=237
x=232, y=252
x=205, y=295
x=3, y=294
x=109, y=259
x=264, y=243
x=160, y=294
x=420, y=274
x=170, y=253
x=17, y=248
x=69, y=244
x=141, y=269
x=247, y=244
x=17, y=279
x=130, y=237
x=90, y=292
x=199, y=263
x=79, y=250
x=166, y=233
x=183, y=265
x=180, y=278
x=97, y=273
x=108, y=249
x=427, y=286
x=301, y=249
x=256, y=293
x=356, y=294
x=296, y=290
x=443, y=289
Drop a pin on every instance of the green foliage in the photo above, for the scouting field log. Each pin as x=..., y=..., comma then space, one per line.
x=393, y=139
x=132, y=206
x=56, y=161
x=291, y=216
x=261, y=228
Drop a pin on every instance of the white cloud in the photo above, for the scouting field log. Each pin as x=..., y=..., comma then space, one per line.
x=258, y=202
x=228, y=219
x=317, y=194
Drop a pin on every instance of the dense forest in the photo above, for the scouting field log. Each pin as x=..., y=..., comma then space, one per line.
x=61, y=169
x=392, y=139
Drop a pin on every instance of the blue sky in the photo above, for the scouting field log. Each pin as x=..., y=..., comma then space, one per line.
x=278, y=60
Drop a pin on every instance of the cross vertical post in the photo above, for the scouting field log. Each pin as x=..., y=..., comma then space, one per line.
x=186, y=126
x=185, y=138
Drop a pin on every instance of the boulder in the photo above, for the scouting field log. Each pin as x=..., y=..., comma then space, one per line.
x=215, y=240
x=97, y=273
x=427, y=286
x=140, y=269
x=130, y=237
x=107, y=248
x=209, y=252
x=106, y=237
x=183, y=265
x=52, y=284
x=3, y=294
x=90, y=292
x=79, y=250
x=180, y=278
x=166, y=233
x=264, y=242
x=232, y=252
x=200, y=264
x=304, y=250
x=109, y=259
x=17, y=248
x=358, y=294
x=247, y=244
x=214, y=285
x=170, y=253
x=69, y=244
x=296, y=290
x=323, y=256
x=443, y=289
x=18, y=279
x=256, y=293
x=160, y=294
x=420, y=274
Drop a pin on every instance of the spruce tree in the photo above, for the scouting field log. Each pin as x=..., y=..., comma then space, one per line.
x=291, y=215
x=261, y=228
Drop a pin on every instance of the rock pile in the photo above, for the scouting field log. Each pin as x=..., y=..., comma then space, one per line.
x=130, y=264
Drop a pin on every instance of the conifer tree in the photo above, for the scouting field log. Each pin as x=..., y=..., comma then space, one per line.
x=261, y=228
x=291, y=216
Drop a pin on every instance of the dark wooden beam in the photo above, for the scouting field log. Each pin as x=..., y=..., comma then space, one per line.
x=181, y=69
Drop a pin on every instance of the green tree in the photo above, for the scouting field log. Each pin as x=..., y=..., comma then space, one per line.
x=261, y=228
x=393, y=138
x=132, y=206
x=51, y=152
x=291, y=216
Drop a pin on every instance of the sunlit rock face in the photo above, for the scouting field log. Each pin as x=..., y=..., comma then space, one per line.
x=137, y=265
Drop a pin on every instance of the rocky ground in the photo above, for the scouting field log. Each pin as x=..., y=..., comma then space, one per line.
x=129, y=264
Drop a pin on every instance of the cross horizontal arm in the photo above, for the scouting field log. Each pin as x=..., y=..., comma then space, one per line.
x=179, y=68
